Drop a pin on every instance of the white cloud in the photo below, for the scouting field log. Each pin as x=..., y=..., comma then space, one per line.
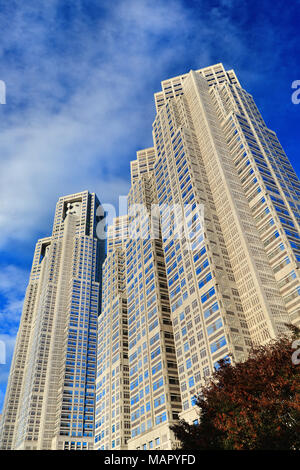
x=13, y=281
x=62, y=144
x=12, y=277
x=9, y=343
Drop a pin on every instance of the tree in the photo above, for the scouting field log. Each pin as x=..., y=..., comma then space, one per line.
x=250, y=405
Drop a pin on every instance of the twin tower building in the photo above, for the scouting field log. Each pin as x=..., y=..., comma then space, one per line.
x=117, y=336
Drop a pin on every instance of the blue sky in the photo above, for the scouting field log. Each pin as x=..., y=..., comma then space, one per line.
x=80, y=78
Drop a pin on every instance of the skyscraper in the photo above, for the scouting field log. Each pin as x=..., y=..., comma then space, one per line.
x=242, y=285
x=50, y=397
x=112, y=415
x=218, y=269
x=154, y=387
x=137, y=384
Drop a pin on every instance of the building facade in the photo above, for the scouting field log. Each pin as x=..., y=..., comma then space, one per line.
x=155, y=400
x=212, y=256
x=240, y=284
x=112, y=418
x=50, y=396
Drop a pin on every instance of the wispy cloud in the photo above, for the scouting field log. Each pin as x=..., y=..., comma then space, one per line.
x=9, y=343
x=13, y=282
x=56, y=141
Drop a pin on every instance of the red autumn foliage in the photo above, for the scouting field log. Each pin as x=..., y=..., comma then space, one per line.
x=251, y=405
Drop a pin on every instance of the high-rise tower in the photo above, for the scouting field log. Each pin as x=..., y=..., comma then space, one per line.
x=215, y=267
x=138, y=395
x=112, y=417
x=240, y=287
x=50, y=396
x=154, y=387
